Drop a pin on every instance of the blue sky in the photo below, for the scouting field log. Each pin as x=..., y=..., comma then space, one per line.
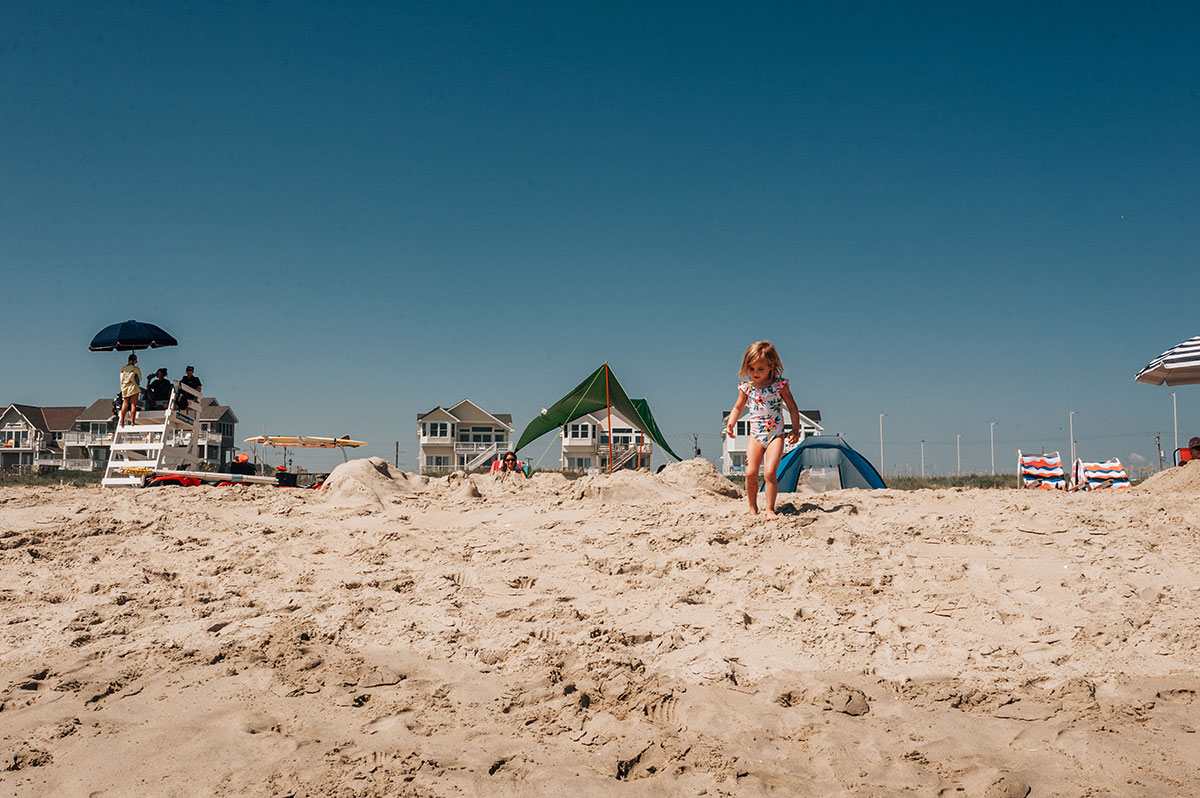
x=351, y=213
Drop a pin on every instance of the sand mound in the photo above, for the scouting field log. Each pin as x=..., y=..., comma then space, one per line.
x=624, y=486
x=698, y=476
x=370, y=481
x=1181, y=479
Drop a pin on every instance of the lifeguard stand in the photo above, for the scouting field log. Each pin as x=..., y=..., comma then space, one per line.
x=160, y=439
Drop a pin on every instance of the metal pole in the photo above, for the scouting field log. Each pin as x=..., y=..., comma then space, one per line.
x=881, y=415
x=992, y=432
x=1175, y=413
x=922, y=459
x=608, y=402
x=1071, y=424
x=958, y=450
x=397, y=460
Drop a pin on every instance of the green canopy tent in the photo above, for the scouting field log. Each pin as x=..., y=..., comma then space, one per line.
x=598, y=392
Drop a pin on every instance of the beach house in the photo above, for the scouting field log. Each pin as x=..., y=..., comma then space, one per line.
x=464, y=437
x=585, y=443
x=733, y=450
x=32, y=436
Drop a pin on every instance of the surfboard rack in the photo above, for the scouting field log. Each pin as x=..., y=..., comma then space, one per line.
x=307, y=442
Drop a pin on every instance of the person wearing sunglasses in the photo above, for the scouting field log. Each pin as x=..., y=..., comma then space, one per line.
x=510, y=463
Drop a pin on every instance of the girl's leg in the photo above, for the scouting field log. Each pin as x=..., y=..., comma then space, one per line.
x=754, y=457
x=774, y=453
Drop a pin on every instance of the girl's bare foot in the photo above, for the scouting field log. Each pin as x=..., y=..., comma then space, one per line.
x=753, y=511
x=771, y=515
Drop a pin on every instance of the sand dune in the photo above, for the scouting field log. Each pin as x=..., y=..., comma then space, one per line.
x=627, y=635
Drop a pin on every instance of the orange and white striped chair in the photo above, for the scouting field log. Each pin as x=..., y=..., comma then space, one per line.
x=1109, y=475
x=1041, y=471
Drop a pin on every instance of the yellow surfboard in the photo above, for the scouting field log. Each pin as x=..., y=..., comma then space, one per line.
x=305, y=441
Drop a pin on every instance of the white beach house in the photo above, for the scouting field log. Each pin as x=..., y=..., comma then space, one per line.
x=464, y=437
x=32, y=436
x=585, y=443
x=733, y=450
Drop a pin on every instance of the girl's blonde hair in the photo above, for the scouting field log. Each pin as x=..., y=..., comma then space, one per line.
x=762, y=352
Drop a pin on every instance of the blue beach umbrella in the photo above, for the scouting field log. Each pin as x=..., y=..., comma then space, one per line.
x=131, y=334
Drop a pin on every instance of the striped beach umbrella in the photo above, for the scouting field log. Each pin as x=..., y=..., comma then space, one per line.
x=1179, y=365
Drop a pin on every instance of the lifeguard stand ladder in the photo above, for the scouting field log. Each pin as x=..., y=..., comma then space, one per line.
x=159, y=439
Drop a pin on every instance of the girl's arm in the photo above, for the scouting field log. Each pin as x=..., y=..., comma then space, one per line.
x=786, y=393
x=730, y=428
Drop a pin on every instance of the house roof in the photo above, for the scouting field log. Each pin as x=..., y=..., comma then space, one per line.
x=49, y=419
x=505, y=419
x=446, y=414
x=101, y=410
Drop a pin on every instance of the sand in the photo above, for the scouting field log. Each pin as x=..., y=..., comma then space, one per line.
x=628, y=635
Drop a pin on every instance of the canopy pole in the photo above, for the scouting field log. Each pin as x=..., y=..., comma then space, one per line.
x=608, y=401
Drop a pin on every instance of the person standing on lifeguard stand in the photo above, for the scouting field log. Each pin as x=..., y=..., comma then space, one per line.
x=131, y=387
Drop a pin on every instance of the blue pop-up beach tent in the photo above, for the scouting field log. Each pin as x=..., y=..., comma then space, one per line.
x=827, y=451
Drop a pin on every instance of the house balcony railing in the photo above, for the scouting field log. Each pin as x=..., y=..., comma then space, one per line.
x=601, y=446
x=204, y=437
x=87, y=438
x=474, y=447
x=73, y=464
x=14, y=446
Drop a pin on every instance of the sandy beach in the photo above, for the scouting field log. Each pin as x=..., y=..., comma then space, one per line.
x=396, y=635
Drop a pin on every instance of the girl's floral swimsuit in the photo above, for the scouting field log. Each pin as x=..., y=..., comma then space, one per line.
x=766, y=409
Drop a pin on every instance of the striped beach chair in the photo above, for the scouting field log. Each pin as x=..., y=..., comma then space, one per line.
x=1108, y=475
x=1041, y=471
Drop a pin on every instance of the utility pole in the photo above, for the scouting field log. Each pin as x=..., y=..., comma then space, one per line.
x=958, y=451
x=922, y=459
x=992, y=433
x=397, y=460
x=695, y=445
x=1158, y=443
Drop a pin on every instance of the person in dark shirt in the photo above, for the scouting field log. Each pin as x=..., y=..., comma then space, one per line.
x=158, y=392
x=241, y=465
x=192, y=381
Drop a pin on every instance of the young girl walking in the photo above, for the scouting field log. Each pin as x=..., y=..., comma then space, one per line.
x=765, y=392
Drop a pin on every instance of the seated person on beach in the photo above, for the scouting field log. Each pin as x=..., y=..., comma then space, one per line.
x=192, y=381
x=241, y=465
x=1194, y=445
x=510, y=463
x=158, y=392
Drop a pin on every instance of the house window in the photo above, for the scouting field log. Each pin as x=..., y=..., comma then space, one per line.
x=737, y=462
x=437, y=461
x=743, y=429
x=579, y=463
x=499, y=437
x=437, y=429
x=623, y=435
x=98, y=428
x=14, y=439
x=481, y=434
